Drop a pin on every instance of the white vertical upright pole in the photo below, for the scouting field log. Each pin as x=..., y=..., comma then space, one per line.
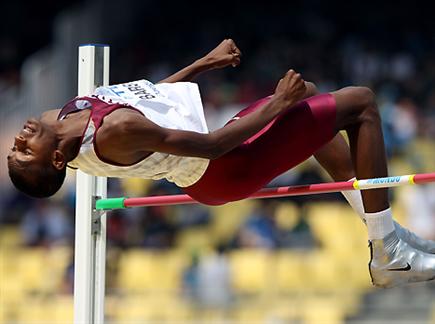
x=90, y=231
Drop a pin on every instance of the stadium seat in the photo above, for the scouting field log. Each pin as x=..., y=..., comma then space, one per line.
x=284, y=309
x=42, y=270
x=135, y=187
x=250, y=311
x=426, y=154
x=323, y=272
x=357, y=273
x=251, y=270
x=322, y=310
x=337, y=227
x=227, y=219
x=33, y=269
x=8, y=264
x=287, y=216
x=10, y=236
x=55, y=309
x=194, y=239
x=33, y=310
x=12, y=290
x=143, y=270
x=9, y=309
x=324, y=219
x=289, y=271
x=152, y=308
x=58, y=259
x=62, y=309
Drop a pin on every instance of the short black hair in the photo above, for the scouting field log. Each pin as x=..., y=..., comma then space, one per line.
x=37, y=181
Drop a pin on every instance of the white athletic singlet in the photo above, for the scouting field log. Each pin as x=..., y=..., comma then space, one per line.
x=170, y=105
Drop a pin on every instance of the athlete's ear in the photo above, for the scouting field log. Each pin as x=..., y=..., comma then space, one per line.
x=58, y=160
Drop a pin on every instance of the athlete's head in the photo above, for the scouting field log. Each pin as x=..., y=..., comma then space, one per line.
x=36, y=166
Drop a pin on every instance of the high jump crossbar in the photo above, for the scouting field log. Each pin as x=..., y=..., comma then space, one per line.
x=376, y=183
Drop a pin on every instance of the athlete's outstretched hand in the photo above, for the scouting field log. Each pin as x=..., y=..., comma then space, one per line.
x=225, y=54
x=290, y=89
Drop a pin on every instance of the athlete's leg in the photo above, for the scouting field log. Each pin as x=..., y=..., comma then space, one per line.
x=357, y=113
x=393, y=261
x=336, y=159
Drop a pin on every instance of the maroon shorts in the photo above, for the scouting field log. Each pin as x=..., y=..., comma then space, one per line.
x=285, y=142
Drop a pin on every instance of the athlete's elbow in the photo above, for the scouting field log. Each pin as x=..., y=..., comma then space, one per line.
x=215, y=149
x=213, y=153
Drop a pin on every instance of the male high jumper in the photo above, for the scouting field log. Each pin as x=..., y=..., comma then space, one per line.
x=139, y=129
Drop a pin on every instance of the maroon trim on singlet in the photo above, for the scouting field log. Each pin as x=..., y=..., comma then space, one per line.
x=99, y=110
x=70, y=108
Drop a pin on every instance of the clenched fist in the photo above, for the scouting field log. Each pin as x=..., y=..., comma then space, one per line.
x=226, y=53
x=290, y=89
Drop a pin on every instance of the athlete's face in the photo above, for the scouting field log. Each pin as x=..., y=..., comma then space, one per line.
x=34, y=144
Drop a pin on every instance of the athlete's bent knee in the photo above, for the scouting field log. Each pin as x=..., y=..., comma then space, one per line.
x=365, y=96
x=356, y=105
x=370, y=112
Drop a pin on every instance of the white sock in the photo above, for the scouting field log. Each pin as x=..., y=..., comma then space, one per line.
x=355, y=201
x=379, y=224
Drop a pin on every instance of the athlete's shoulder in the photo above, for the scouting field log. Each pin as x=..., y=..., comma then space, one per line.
x=50, y=114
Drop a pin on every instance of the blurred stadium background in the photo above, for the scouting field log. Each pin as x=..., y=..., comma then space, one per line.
x=301, y=259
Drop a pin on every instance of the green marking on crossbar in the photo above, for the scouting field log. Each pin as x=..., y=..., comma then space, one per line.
x=110, y=203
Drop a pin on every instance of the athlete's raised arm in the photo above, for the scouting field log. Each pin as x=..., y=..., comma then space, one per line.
x=225, y=54
x=140, y=136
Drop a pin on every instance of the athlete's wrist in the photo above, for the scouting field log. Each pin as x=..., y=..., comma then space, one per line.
x=280, y=102
x=202, y=65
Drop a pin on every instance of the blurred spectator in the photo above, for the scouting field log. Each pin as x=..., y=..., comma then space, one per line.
x=14, y=206
x=214, y=280
x=47, y=223
x=117, y=228
x=419, y=202
x=158, y=230
x=259, y=229
x=400, y=125
x=190, y=285
x=157, y=222
x=192, y=215
x=404, y=122
x=68, y=277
